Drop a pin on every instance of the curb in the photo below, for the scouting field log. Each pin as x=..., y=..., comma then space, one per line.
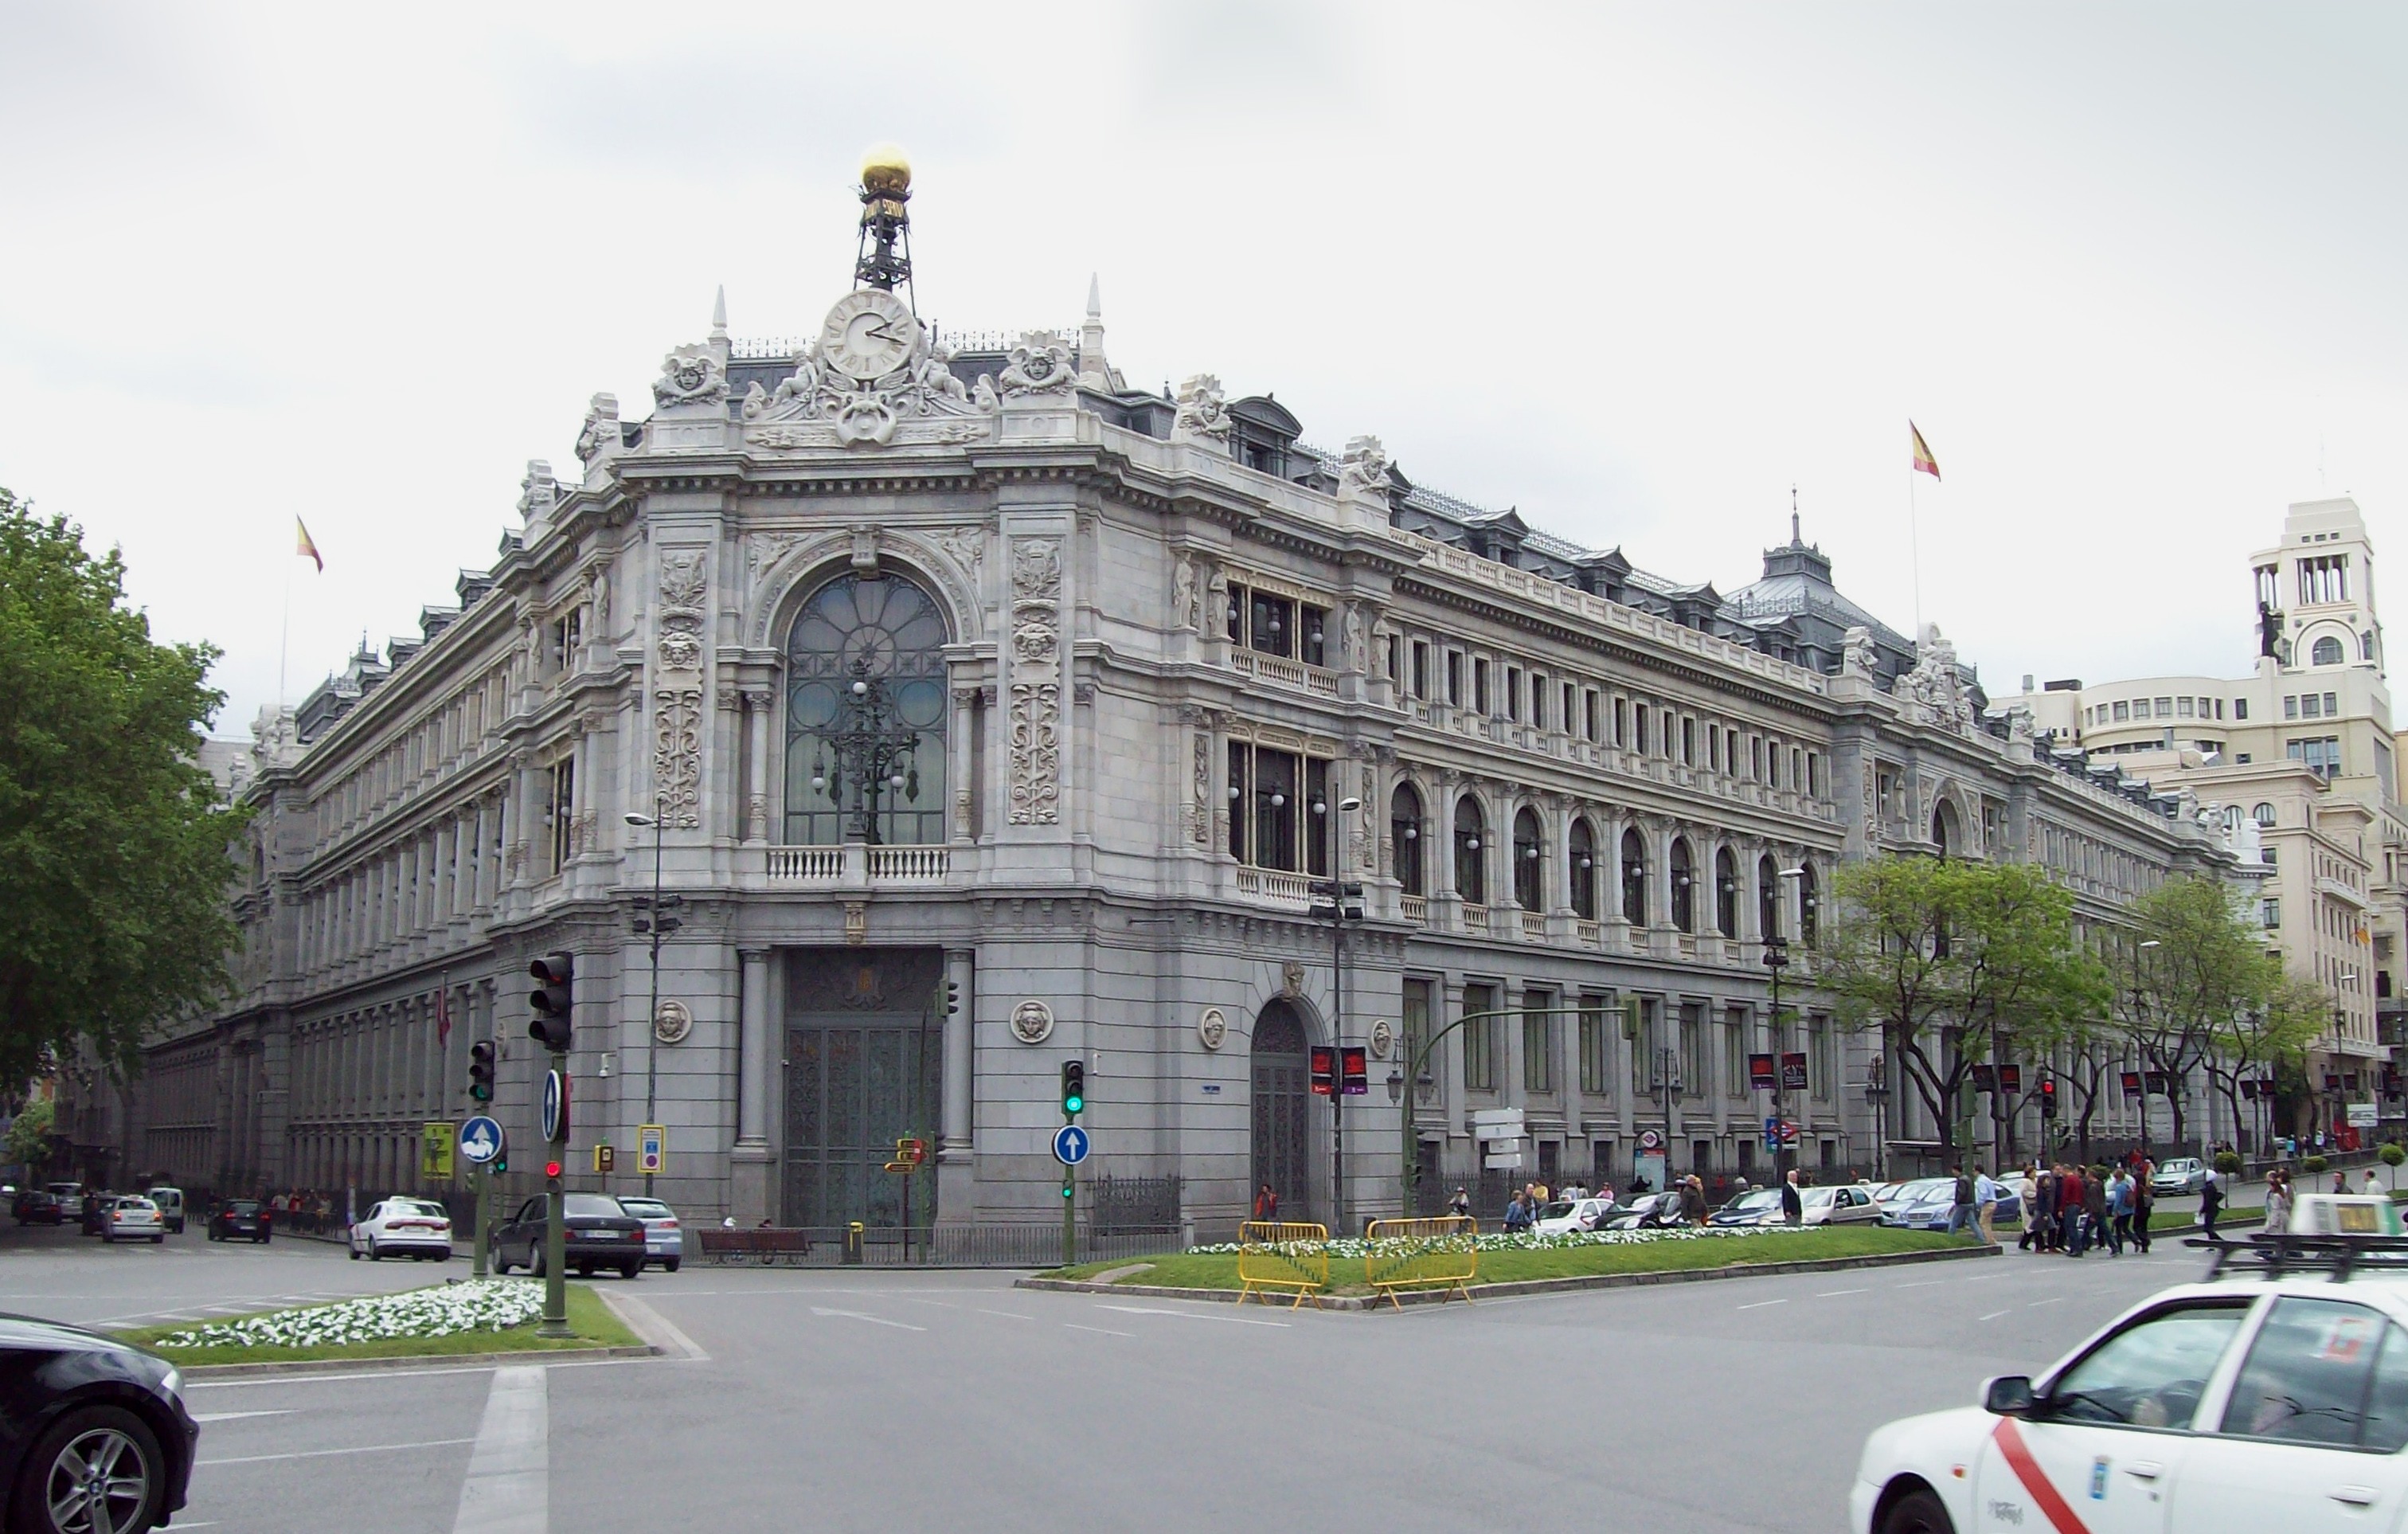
x=414, y=1360
x=1534, y=1286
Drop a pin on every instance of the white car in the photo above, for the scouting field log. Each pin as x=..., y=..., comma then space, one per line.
x=131, y=1219
x=407, y=1227
x=664, y=1242
x=2243, y=1402
x=1561, y=1218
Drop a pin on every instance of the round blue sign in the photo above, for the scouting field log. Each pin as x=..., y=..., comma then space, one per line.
x=481, y=1139
x=1069, y=1146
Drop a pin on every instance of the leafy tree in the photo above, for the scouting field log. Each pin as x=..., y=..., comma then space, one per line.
x=113, y=840
x=2271, y=1039
x=28, y=1142
x=2193, y=970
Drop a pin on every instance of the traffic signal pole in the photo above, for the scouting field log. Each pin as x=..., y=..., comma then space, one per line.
x=554, y=1001
x=484, y=1226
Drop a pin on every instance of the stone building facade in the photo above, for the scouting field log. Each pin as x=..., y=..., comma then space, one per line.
x=994, y=713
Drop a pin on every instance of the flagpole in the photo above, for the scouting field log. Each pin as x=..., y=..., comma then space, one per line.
x=1915, y=551
x=284, y=640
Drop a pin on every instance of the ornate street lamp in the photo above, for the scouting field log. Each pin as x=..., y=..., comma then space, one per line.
x=874, y=753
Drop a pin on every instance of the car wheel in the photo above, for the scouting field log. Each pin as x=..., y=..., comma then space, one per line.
x=99, y=1467
x=534, y=1262
x=263, y=1240
x=160, y=1239
x=356, y=1254
x=670, y=1266
x=630, y=1269
x=1919, y=1512
x=585, y=1270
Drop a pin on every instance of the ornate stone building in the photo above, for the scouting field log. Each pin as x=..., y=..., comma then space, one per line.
x=996, y=713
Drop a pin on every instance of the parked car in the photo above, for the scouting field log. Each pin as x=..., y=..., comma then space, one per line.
x=38, y=1207
x=415, y=1228
x=2183, y=1174
x=245, y=1217
x=664, y=1242
x=1648, y=1211
x=70, y=1195
x=1930, y=1210
x=132, y=1219
x=596, y=1232
x=1909, y=1190
x=1761, y=1208
x=1566, y=1215
x=86, y=1419
x=171, y=1207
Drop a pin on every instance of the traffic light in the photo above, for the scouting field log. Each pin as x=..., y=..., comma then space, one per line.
x=1355, y=1071
x=1074, y=1087
x=2048, y=1099
x=1325, y=1070
x=552, y=999
x=551, y=1170
x=953, y=999
x=480, y=1071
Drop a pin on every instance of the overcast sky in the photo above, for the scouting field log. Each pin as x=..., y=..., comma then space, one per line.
x=1636, y=270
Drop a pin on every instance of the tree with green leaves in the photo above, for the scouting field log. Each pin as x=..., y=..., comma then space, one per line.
x=2189, y=971
x=28, y=1141
x=2270, y=1040
x=1955, y=964
x=114, y=842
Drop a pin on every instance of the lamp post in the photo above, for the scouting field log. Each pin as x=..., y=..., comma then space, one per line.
x=2146, y=943
x=1339, y=892
x=656, y=923
x=874, y=751
x=1776, y=958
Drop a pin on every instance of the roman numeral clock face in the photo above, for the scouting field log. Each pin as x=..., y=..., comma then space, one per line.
x=869, y=334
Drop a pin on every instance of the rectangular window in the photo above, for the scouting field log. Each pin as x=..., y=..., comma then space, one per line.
x=1797, y=765
x=562, y=811
x=1454, y=678
x=2123, y=712
x=1538, y=701
x=2332, y=709
x=1714, y=749
x=1513, y=692
x=1735, y=1023
x=1643, y=1047
x=2240, y=708
x=1755, y=758
x=1814, y=774
x=2219, y=708
x=1396, y=657
x=1621, y=722
x=1693, y=1050
x=1479, y=688
x=2165, y=708
x=2310, y=706
x=1588, y=714
x=1689, y=741
x=1596, y=1041
x=2182, y=708
x=1416, y=1007
x=2291, y=707
x=1271, y=624
x=2321, y=754
x=1538, y=1042
x=2270, y=911
x=1316, y=640
x=1421, y=669
x=1319, y=824
x=1819, y=1056
x=1564, y=719
x=1480, y=1039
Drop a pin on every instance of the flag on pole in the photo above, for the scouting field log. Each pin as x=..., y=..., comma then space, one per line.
x=443, y=1012
x=306, y=547
x=1923, y=459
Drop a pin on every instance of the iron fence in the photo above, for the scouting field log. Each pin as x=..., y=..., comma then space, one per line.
x=934, y=1246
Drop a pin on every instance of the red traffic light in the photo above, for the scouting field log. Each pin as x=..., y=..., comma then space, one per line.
x=552, y=1168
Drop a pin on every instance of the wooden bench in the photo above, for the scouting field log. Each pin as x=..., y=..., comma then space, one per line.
x=765, y=1244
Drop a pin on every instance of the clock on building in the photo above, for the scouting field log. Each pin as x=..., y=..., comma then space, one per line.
x=869, y=334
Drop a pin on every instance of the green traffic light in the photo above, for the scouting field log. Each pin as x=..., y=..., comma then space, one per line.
x=1066, y=1190
x=1072, y=1105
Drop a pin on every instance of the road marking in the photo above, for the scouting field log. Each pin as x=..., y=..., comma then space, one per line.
x=939, y=1304
x=269, y=1380
x=1992, y=1316
x=2037, y=1303
x=509, y=1486
x=1105, y=1330
x=1009, y=1315
x=1762, y=1303
x=1189, y=1316
x=1984, y=1278
x=1834, y=1294
x=363, y=1449
x=237, y=1416
x=1928, y=1284
x=873, y=1320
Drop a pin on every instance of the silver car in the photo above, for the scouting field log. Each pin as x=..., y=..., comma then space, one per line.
x=2183, y=1174
x=664, y=1242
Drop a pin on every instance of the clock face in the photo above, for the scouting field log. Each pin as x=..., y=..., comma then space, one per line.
x=869, y=334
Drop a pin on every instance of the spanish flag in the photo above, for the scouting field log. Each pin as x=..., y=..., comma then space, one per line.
x=306, y=547
x=1923, y=459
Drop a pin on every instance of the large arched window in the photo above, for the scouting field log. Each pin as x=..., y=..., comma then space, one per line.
x=1582, y=854
x=1726, y=893
x=1685, y=903
x=1470, y=870
x=1943, y=828
x=1634, y=878
x=1768, y=901
x=1405, y=837
x=865, y=714
x=1525, y=860
x=2326, y=652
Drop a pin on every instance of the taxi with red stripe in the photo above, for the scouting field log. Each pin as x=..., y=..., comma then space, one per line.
x=2271, y=1396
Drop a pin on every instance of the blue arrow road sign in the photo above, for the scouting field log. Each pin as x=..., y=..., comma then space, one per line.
x=481, y=1140
x=1069, y=1146
x=555, y=1105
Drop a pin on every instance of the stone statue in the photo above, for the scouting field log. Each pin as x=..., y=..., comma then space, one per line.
x=1353, y=642
x=1202, y=415
x=1933, y=688
x=1182, y=593
x=1859, y=655
x=2270, y=631
x=1365, y=468
x=1216, y=606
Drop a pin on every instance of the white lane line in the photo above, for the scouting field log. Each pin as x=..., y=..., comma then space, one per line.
x=1984, y=1278
x=939, y=1304
x=508, y=1485
x=1992, y=1316
x=873, y=1320
x=1189, y=1316
x=267, y=1380
x=1105, y=1330
x=1834, y=1294
x=2037, y=1303
x=1762, y=1303
x=1009, y=1315
x=1928, y=1284
x=237, y=1416
x=321, y=1454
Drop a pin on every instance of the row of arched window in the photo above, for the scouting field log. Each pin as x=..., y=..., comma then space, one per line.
x=1643, y=899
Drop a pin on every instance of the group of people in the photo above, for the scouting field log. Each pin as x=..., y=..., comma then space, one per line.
x=2070, y=1210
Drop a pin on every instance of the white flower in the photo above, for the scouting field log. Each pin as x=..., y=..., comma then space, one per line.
x=442, y=1311
x=1356, y=1246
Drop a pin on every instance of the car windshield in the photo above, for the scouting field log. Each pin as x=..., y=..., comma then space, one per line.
x=1812, y=1197
x=586, y=1204
x=417, y=1207
x=243, y=1205
x=646, y=1208
x=1760, y=1199
x=138, y=1205
x=1555, y=1211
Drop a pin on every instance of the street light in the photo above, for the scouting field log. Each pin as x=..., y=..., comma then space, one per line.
x=656, y=925
x=1338, y=910
x=1776, y=958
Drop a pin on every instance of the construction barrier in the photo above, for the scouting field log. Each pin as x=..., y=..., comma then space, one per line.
x=1283, y=1254
x=1443, y=1252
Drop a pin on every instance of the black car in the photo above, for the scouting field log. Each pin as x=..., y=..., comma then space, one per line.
x=36, y=1207
x=594, y=1233
x=243, y=1217
x=85, y=1419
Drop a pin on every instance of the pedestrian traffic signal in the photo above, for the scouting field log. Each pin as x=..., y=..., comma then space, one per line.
x=953, y=999
x=551, y=1170
x=552, y=999
x=606, y=1158
x=1355, y=1071
x=2048, y=1099
x=1074, y=1087
x=1325, y=1070
x=480, y=1071
x=501, y=1162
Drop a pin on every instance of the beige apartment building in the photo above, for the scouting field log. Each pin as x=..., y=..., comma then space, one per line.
x=2305, y=749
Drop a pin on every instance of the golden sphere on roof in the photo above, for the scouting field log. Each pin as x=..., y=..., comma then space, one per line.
x=885, y=170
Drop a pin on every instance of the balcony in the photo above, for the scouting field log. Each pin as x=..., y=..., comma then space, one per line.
x=1310, y=678
x=1414, y=909
x=857, y=864
x=1273, y=885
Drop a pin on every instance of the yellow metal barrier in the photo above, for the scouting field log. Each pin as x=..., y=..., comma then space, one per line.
x=1283, y=1254
x=1423, y=1254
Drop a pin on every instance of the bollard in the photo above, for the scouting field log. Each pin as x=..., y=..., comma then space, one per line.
x=852, y=1242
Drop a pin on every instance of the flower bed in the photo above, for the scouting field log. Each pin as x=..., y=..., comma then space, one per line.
x=1357, y=1246
x=488, y=1305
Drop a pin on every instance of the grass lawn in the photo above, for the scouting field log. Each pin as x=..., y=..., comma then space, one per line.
x=1219, y=1270
x=594, y=1323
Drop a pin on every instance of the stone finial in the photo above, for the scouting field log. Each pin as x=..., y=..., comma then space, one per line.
x=538, y=493
x=599, y=437
x=718, y=315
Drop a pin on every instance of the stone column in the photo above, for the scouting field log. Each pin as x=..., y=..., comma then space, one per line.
x=756, y=764
x=954, y=1164
x=749, y=1165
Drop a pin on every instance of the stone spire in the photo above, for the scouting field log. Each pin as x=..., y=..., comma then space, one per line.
x=1093, y=371
x=718, y=315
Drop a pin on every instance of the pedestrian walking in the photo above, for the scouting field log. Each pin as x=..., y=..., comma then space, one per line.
x=1986, y=1204
x=1517, y=1213
x=1792, y=1204
x=2372, y=1189
x=2068, y=1208
x=2120, y=1211
x=2211, y=1203
x=2144, y=1203
x=1693, y=1200
x=2278, y=1200
x=2044, y=1232
x=2341, y=1181
x=1265, y=1203
x=1460, y=1203
x=2028, y=1196
x=1960, y=1212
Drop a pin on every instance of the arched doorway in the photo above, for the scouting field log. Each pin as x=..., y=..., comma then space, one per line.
x=1281, y=1097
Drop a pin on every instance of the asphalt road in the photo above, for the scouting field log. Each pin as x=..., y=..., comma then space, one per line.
x=952, y=1401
